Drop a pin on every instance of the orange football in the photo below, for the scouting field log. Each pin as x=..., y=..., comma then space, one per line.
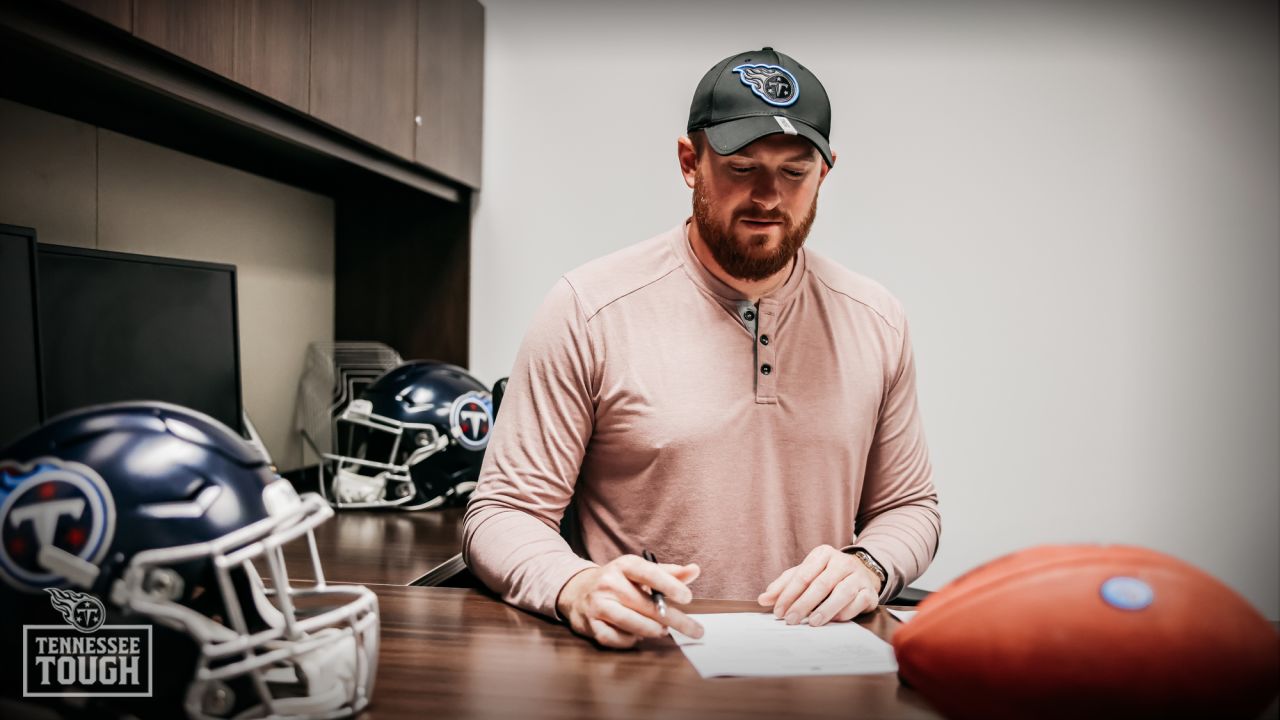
x=1084, y=631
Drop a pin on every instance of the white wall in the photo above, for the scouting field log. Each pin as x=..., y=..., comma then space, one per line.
x=77, y=184
x=1078, y=208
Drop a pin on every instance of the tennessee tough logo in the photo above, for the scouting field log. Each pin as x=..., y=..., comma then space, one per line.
x=83, y=611
x=771, y=83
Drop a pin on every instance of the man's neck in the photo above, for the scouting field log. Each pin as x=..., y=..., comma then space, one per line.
x=752, y=289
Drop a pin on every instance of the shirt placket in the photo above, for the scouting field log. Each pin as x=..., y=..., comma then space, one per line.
x=766, y=349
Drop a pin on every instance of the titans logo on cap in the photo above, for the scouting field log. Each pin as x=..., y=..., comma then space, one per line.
x=51, y=504
x=470, y=418
x=771, y=83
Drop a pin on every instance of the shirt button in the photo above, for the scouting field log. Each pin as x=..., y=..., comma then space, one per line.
x=765, y=369
x=764, y=339
x=749, y=315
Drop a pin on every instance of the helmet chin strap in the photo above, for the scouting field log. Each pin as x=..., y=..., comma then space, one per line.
x=328, y=674
x=60, y=562
x=351, y=487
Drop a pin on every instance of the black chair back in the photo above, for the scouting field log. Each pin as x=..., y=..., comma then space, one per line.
x=499, y=389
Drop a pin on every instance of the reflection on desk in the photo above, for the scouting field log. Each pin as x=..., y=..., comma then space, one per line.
x=462, y=653
x=379, y=546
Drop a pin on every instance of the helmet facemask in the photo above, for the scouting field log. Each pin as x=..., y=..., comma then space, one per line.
x=376, y=469
x=265, y=648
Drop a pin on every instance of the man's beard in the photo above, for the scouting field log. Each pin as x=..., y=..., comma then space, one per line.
x=748, y=260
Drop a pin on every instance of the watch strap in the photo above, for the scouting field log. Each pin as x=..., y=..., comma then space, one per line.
x=875, y=567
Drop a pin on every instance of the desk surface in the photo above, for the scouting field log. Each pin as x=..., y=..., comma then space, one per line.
x=450, y=652
x=462, y=653
x=377, y=546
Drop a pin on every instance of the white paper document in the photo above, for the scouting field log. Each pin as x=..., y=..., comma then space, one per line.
x=903, y=615
x=760, y=645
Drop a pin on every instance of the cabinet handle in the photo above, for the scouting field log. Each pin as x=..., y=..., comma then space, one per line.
x=417, y=120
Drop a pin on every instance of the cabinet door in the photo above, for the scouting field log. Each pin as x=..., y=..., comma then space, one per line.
x=261, y=44
x=116, y=12
x=201, y=31
x=362, y=69
x=450, y=87
x=273, y=48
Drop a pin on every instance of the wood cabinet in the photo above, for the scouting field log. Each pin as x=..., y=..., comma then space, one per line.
x=116, y=12
x=401, y=228
x=450, y=87
x=201, y=31
x=362, y=72
x=273, y=49
x=406, y=76
x=261, y=44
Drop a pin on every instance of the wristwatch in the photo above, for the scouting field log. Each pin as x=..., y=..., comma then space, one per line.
x=871, y=564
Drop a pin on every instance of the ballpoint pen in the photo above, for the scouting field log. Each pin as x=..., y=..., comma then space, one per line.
x=658, y=599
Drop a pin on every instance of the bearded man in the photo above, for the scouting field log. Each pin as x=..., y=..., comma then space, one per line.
x=719, y=395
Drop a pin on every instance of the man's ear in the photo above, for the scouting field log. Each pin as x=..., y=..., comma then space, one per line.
x=688, y=157
x=827, y=168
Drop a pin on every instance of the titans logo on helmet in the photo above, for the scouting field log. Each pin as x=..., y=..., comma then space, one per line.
x=470, y=418
x=771, y=83
x=51, y=504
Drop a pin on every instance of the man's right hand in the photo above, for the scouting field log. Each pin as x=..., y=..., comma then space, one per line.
x=611, y=604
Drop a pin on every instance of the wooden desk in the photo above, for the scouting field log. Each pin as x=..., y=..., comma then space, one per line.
x=379, y=547
x=450, y=652
x=455, y=653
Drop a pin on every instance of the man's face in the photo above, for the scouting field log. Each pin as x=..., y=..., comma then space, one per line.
x=754, y=207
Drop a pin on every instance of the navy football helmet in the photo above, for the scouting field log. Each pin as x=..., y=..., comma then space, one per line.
x=156, y=517
x=414, y=440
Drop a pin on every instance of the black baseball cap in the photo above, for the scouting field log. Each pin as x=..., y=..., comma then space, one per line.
x=758, y=93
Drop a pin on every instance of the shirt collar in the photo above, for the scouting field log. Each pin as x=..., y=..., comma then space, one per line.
x=703, y=278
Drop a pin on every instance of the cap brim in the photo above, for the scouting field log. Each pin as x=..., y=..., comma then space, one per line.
x=731, y=136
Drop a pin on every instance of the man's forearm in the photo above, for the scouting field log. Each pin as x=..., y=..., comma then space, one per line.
x=903, y=540
x=518, y=556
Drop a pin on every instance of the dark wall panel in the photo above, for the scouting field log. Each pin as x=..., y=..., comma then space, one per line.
x=19, y=358
x=401, y=271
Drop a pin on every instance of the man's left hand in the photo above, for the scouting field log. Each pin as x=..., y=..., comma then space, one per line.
x=828, y=585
